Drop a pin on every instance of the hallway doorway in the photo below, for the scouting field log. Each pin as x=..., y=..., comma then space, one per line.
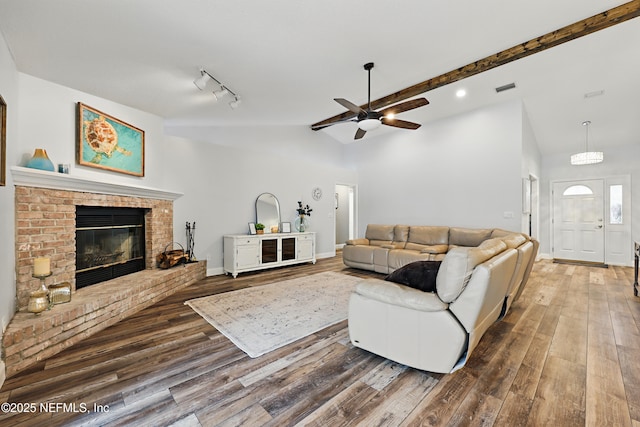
x=345, y=213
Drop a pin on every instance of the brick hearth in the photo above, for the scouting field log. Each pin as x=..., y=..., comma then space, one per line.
x=31, y=338
x=45, y=226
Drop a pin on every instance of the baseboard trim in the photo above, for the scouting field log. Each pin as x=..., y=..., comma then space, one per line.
x=580, y=263
x=325, y=255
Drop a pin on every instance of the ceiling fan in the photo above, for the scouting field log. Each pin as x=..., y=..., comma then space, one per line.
x=371, y=119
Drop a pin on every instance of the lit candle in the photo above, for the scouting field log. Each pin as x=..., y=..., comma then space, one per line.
x=41, y=267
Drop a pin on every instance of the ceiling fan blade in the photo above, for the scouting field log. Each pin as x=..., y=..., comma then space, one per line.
x=405, y=106
x=349, y=105
x=360, y=133
x=326, y=125
x=400, y=123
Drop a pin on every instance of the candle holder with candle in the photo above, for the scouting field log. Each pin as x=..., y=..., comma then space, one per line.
x=42, y=277
x=42, y=270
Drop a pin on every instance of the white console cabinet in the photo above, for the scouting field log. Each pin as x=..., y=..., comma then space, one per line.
x=260, y=251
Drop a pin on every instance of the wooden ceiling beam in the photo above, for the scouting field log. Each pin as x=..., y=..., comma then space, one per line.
x=574, y=31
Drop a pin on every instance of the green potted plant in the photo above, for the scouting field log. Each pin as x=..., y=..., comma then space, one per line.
x=260, y=228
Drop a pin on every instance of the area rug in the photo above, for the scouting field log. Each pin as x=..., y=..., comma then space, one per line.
x=263, y=318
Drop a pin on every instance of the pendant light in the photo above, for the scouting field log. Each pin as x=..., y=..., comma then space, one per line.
x=587, y=157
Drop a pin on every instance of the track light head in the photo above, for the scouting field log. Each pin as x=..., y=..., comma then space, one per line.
x=201, y=82
x=235, y=103
x=217, y=94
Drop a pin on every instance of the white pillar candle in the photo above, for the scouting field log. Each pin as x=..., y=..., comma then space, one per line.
x=41, y=266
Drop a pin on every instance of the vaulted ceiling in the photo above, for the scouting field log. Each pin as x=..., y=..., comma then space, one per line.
x=288, y=59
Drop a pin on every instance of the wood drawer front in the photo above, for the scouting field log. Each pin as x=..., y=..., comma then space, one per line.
x=247, y=242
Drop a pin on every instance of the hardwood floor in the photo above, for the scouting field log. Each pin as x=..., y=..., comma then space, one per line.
x=565, y=355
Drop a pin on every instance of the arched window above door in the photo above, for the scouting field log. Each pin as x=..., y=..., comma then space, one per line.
x=577, y=190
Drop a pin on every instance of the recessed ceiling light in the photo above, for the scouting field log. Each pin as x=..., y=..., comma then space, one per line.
x=461, y=93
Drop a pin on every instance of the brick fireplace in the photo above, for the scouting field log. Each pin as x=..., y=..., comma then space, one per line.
x=45, y=227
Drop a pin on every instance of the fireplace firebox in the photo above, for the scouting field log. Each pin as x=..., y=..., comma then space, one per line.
x=110, y=243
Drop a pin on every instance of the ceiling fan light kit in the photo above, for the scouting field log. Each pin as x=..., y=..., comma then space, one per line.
x=204, y=79
x=587, y=157
x=369, y=119
x=369, y=124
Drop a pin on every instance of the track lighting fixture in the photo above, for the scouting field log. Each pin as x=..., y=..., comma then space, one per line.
x=202, y=82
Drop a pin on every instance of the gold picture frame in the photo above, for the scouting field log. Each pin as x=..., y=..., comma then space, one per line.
x=108, y=143
x=3, y=142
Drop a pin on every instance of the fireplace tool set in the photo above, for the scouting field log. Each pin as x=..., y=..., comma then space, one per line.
x=191, y=231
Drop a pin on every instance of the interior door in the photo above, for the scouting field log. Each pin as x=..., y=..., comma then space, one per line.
x=578, y=226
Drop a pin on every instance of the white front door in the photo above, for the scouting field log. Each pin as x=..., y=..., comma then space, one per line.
x=578, y=220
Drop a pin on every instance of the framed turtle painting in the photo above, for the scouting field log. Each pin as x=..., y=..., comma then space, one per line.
x=108, y=143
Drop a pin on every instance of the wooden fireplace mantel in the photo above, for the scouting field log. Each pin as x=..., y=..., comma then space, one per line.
x=59, y=181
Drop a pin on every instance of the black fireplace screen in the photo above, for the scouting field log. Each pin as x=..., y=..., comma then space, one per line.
x=109, y=243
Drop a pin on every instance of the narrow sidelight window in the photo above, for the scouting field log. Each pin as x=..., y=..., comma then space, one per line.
x=615, y=204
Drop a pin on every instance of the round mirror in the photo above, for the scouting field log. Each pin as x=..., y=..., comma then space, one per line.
x=268, y=212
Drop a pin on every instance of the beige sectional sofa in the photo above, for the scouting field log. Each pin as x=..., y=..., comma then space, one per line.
x=482, y=272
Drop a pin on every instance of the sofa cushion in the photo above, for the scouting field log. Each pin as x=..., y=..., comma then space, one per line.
x=431, y=239
x=379, y=235
x=400, y=295
x=399, y=258
x=513, y=240
x=359, y=253
x=458, y=264
x=360, y=241
x=428, y=235
x=400, y=236
x=434, y=249
x=468, y=236
x=418, y=275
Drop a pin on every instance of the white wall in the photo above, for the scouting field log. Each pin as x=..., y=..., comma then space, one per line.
x=221, y=184
x=462, y=171
x=48, y=120
x=531, y=165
